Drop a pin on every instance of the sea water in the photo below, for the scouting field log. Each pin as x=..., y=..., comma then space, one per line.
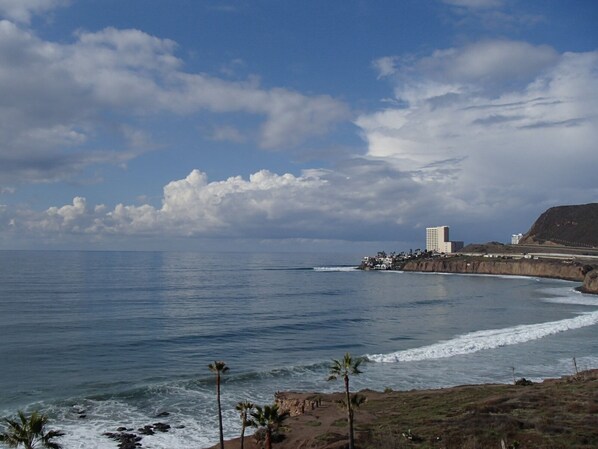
x=99, y=340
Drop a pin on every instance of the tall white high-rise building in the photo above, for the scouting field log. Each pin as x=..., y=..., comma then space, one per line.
x=437, y=239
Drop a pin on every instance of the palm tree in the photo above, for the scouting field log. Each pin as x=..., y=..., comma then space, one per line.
x=268, y=418
x=219, y=368
x=29, y=432
x=344, y=368
x=244, y=407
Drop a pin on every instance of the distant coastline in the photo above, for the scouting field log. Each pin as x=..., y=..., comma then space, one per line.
x=563, y=266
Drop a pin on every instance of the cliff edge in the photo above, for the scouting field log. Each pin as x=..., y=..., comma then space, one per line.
x=556, y=269
x=590, y=283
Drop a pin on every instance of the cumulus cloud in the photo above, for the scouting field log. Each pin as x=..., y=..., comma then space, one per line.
x=464, y=146
x=58, y=97
x=496, y=123
x=318, y=204
x=23, y=10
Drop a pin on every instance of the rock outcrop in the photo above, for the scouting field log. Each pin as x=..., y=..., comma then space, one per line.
x=590, y=282
x=296, y=404
x=567, y=270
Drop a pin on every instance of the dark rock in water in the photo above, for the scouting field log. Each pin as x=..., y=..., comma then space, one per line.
x=128, y=440
x=125, y=440
x=162, y=415
x=82, y=416
x=161, y=427
x=181, y=426
x=146, y=430
x=524, y=382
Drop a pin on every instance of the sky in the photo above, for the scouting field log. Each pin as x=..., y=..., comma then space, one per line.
x=295, y=125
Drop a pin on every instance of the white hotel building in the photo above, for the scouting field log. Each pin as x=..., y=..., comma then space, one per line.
x=437, y=239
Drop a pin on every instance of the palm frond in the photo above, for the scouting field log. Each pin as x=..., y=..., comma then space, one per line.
x=218, y=367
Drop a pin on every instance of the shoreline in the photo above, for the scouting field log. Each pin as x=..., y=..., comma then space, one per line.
x=523, y=412
x=563, y=269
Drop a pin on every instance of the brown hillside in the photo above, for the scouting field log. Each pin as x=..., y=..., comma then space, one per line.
x=565, y=225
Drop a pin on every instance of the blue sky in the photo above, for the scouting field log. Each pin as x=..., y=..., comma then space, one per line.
x=291, y=125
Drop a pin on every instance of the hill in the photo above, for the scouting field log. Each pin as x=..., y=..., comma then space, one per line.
x=575, y=226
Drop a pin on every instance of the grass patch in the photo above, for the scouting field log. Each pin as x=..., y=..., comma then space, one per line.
x=340, y=423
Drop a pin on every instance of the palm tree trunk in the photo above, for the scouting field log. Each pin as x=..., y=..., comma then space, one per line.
x=219, y=412
x=349, y=414
x=268, y=438
x=243, y=431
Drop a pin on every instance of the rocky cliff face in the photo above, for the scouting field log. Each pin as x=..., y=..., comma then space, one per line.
x=570, y=271
x=566, y=225
x=590, y=283
x=296, y=404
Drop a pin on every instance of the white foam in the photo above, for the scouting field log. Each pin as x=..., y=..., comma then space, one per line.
x=336, y=268
x=565, y=295
x=487, y=339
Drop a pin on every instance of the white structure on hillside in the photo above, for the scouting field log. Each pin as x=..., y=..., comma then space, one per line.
x=515, y=238
x=437, y=240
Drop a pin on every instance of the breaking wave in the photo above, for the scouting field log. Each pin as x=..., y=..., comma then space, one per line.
x=487, y=339
x=341, y=268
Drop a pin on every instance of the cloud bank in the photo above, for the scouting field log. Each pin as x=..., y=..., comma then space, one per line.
x=499, y=124
x=64, y=104
x=485, y=134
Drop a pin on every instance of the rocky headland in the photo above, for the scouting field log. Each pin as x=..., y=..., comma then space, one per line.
x=569, y=270
x=555, y=413
x=561, y=244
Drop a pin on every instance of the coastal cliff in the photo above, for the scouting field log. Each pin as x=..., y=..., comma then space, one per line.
x=556, y=269
x=521, y=415
x=590, y=283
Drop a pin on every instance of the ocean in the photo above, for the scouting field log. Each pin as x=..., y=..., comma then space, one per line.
x=99, y=340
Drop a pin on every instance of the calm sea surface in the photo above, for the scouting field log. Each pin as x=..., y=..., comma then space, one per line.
x=102, y=339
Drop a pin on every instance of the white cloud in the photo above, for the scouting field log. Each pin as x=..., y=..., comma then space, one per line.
x=494, y=126
x=385, y=66
x=319, y=204
x=22, y=10
x=454, y=154
x=491, y=67
x=58, y=97
x=475, y=3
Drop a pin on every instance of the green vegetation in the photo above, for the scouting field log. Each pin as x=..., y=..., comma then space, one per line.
x=269, y=419
x=553, y=414
x=244, y=408
x=30, y=432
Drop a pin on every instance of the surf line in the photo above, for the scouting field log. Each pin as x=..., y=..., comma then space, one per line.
x=486, y=339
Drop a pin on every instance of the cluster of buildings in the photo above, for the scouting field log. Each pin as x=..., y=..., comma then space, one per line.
x=437, y=245
x=392, y=261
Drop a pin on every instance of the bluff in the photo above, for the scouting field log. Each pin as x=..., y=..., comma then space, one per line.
x=557, y=269
x=590, y=283
x=565, y=226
